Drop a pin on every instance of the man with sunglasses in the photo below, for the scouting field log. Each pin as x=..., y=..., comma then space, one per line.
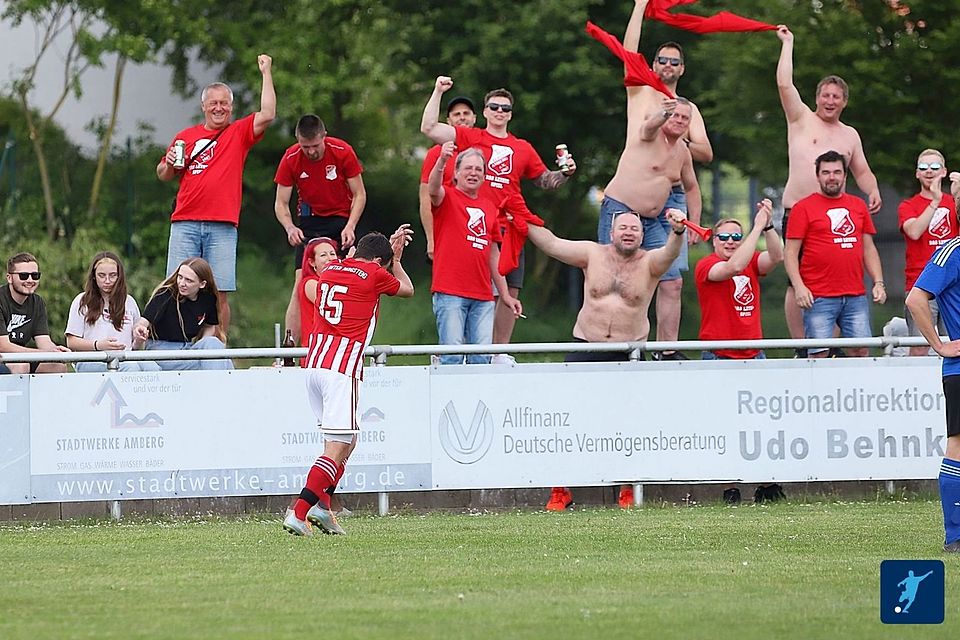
x=728, y=283
x=460, y=113
x=835, y=232
x=23, y=317
x=509, y=159
x=648, y=177
x=809, y=134
x=927, y=220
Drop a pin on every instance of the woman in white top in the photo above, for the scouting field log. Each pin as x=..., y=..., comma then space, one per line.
x=102, y=317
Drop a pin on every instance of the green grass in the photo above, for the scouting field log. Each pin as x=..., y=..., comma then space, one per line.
x=782, y=571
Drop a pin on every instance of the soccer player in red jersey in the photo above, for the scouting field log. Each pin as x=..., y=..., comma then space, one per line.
x=348, y=301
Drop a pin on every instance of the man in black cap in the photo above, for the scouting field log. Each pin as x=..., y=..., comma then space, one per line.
x=460, y=113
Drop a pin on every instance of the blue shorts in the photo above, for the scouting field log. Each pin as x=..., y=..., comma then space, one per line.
x=655, y=230
x=215, y=242
x=850, y=313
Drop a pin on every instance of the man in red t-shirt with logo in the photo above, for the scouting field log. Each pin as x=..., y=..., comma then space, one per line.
x=207, y=211
x=460, y=113
x=465, y=254
x=348, y=304
x=331, y=196
x=927, y=220
x=508, y=160
x=728, y=283
x=836, y=232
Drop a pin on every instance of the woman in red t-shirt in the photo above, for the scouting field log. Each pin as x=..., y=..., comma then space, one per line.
x=318, y=253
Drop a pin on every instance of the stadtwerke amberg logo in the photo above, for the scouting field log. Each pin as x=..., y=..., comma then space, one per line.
x=911, y=591
x=469, y=444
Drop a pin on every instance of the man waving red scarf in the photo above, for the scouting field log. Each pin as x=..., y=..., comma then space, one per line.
x=638, y=72
x=722, y=21
x=514, y=209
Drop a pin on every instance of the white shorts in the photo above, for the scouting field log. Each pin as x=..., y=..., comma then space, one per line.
x=333, y=398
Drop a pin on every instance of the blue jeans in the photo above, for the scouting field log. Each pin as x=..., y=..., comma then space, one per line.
x=101, y=367
x=463, y=321
x=209, y=342
x=850, y=313
x=655, y=230
x=215, y=242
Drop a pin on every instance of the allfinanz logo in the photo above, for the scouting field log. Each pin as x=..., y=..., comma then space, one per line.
x=469, y=445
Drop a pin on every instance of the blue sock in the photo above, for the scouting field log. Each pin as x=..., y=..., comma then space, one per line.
x=950, y=498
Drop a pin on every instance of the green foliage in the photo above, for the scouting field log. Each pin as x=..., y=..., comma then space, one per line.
x=750, y=573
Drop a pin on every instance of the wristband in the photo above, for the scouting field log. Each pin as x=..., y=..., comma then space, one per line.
x=881, y=283
x=768, y=228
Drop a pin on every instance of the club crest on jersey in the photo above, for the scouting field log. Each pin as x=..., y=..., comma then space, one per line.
x=203, y=159
x=501, y=160
x=743, y=290
x=477, y=222
x=331, y=170
x=840, y=222
x=940, y=226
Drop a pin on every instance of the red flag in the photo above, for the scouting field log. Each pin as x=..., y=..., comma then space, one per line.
x=722, y=21
x=514, y=210
x=638, y=72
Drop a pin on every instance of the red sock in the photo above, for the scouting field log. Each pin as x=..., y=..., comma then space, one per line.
x=320, y=477
x=333, y=488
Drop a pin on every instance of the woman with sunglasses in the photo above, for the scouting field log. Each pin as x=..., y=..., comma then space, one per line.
x=182, y=314
x=103, y=316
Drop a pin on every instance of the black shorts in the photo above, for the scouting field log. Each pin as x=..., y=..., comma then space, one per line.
x=318, y=227
x=951, y=393
x=599, y=356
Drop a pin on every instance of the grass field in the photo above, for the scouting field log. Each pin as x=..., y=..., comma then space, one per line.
x=779, y=571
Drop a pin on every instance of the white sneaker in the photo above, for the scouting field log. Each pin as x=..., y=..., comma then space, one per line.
x=503, y=358
x=296, y=526
x=325, y=519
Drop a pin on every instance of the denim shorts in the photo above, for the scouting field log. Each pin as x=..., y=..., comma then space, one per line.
x=850, y=313
x=215, y=242
x=655, y=230
x=912, y=329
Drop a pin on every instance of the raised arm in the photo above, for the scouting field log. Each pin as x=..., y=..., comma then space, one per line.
x=659, y=260
x=426, y=217
x=435, y=182
x=744, y=253
x=631, y=38
x=656, y=119
x=914, y=227
x=430, y=124
x=793, y=106
x=398, y=240
x=268, y=97
x=575, y=253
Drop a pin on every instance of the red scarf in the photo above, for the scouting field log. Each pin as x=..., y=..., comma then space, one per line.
x=723, y=21
x=637, y=72
x=520, y=217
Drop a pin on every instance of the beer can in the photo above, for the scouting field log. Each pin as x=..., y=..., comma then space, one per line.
x=179, y=154
x=563, y=157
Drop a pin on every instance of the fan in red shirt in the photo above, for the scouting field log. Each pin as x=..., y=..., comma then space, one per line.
x=728, y=282
x=509, y=159
x=927, y=220
x=348, y=303
x=207, y=211
x=330, y=195
x=835, y=232
x=460, y=113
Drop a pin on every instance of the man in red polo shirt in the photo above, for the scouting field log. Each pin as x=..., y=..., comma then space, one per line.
x=927, y=220
x=509, y=159
x=728, y=283
x=835, y=231
x=330, y=192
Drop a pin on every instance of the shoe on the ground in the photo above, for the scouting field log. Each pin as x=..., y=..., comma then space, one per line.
x=503, y=358
x=731, y=496
x=625, y=500
x=325, y=519
x=953, y=547
x=672, y=355
x=769, y=493
x=297, y=527
x=560, y=499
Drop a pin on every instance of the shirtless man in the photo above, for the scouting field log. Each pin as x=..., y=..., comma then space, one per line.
x=809, y=134
x=626, y=191
x=618, y=283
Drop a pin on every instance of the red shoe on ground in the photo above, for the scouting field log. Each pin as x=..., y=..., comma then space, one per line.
x=626, y=497
x=560, y=499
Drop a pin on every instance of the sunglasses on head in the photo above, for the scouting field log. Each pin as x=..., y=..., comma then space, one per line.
x=673, y=62
x=933, y=166
x=723, y=237
x=26, y=275
x=496, y=106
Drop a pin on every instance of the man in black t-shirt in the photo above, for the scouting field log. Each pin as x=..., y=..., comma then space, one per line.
x=23, y=316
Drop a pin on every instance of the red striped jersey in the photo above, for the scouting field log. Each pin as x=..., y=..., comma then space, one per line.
x=348, y=301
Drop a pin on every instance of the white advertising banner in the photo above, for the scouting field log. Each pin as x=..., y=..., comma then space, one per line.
x=14, y=440
x=773, y=420
x=197, y=433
